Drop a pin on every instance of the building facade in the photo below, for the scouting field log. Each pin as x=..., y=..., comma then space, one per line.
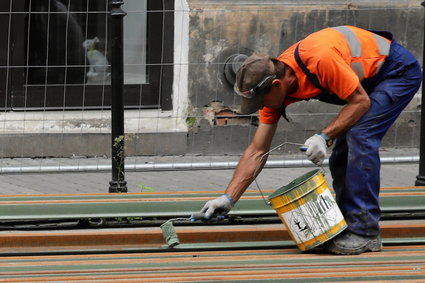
x=179, y=63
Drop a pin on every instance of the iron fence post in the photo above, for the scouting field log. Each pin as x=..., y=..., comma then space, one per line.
x=420, y=179
x=118, y=183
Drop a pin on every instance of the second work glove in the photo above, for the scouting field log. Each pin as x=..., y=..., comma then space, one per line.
x=316, y=149
x=221, y=204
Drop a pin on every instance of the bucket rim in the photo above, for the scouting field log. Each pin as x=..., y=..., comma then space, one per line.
x=278, y=192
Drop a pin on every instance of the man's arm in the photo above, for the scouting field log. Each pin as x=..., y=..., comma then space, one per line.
x=252, y=161
x=358, y=104
x=250, y=165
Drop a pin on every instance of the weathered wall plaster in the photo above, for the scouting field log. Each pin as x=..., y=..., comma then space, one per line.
x=219, y=29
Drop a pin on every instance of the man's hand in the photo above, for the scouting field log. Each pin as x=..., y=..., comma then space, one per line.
x=221, y=204
x=316, y=149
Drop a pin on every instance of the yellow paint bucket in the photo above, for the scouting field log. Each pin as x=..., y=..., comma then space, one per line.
x=308, y=210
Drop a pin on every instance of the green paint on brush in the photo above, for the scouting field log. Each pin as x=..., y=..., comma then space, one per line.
x=169, y=234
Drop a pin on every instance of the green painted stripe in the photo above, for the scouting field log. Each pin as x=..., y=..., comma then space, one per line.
x=152, y=195
x=165, y=209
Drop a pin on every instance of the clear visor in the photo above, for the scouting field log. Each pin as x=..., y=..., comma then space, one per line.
x=247, y=94
x=253, y=91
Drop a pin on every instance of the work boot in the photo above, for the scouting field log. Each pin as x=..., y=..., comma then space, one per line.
x=348, y=243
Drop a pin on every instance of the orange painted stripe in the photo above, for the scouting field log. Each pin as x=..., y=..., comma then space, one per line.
x=138, y=238
x=416, y=270
x=176, y=193
x=140, y=200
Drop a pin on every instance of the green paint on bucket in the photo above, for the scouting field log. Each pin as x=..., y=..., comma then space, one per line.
x=308, y=210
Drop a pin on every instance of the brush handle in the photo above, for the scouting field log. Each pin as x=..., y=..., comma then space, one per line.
x=303, y=148
x=197, y=216
x=201, y=216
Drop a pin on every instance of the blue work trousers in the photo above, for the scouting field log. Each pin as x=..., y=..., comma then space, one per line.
x=354, y=162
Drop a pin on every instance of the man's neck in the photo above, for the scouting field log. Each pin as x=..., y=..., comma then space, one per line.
x=291, y=79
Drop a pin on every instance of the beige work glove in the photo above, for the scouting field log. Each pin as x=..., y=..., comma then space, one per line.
x=316, y=149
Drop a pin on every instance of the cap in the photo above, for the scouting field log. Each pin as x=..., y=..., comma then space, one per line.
x=251, y=77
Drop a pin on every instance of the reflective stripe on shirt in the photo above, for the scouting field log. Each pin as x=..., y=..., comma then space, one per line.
x=356, y=49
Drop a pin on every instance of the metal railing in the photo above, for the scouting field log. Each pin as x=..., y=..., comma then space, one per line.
x=180, y=166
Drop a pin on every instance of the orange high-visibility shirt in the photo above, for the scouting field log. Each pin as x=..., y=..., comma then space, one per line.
x=340, y=57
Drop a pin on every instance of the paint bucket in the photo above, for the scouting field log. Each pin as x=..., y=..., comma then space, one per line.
x=308, y=210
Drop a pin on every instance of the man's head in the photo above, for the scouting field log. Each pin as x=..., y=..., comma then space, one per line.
x=254, y=80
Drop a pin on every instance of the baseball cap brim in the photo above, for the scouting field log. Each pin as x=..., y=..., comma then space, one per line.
x=251, y=105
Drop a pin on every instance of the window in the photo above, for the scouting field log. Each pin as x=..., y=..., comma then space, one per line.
x=56, y=54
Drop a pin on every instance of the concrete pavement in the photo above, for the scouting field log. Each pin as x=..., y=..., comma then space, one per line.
x=171, y=181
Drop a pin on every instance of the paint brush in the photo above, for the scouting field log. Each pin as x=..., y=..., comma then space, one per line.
x=170, y=234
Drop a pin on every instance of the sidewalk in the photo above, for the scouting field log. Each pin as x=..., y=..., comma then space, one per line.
x=392, y=175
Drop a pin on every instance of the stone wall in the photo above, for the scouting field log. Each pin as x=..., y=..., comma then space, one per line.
x=220, y=29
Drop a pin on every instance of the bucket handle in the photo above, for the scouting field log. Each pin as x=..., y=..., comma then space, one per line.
x=302, y=147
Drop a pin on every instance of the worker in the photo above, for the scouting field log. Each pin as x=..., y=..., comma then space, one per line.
x=367, y=72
